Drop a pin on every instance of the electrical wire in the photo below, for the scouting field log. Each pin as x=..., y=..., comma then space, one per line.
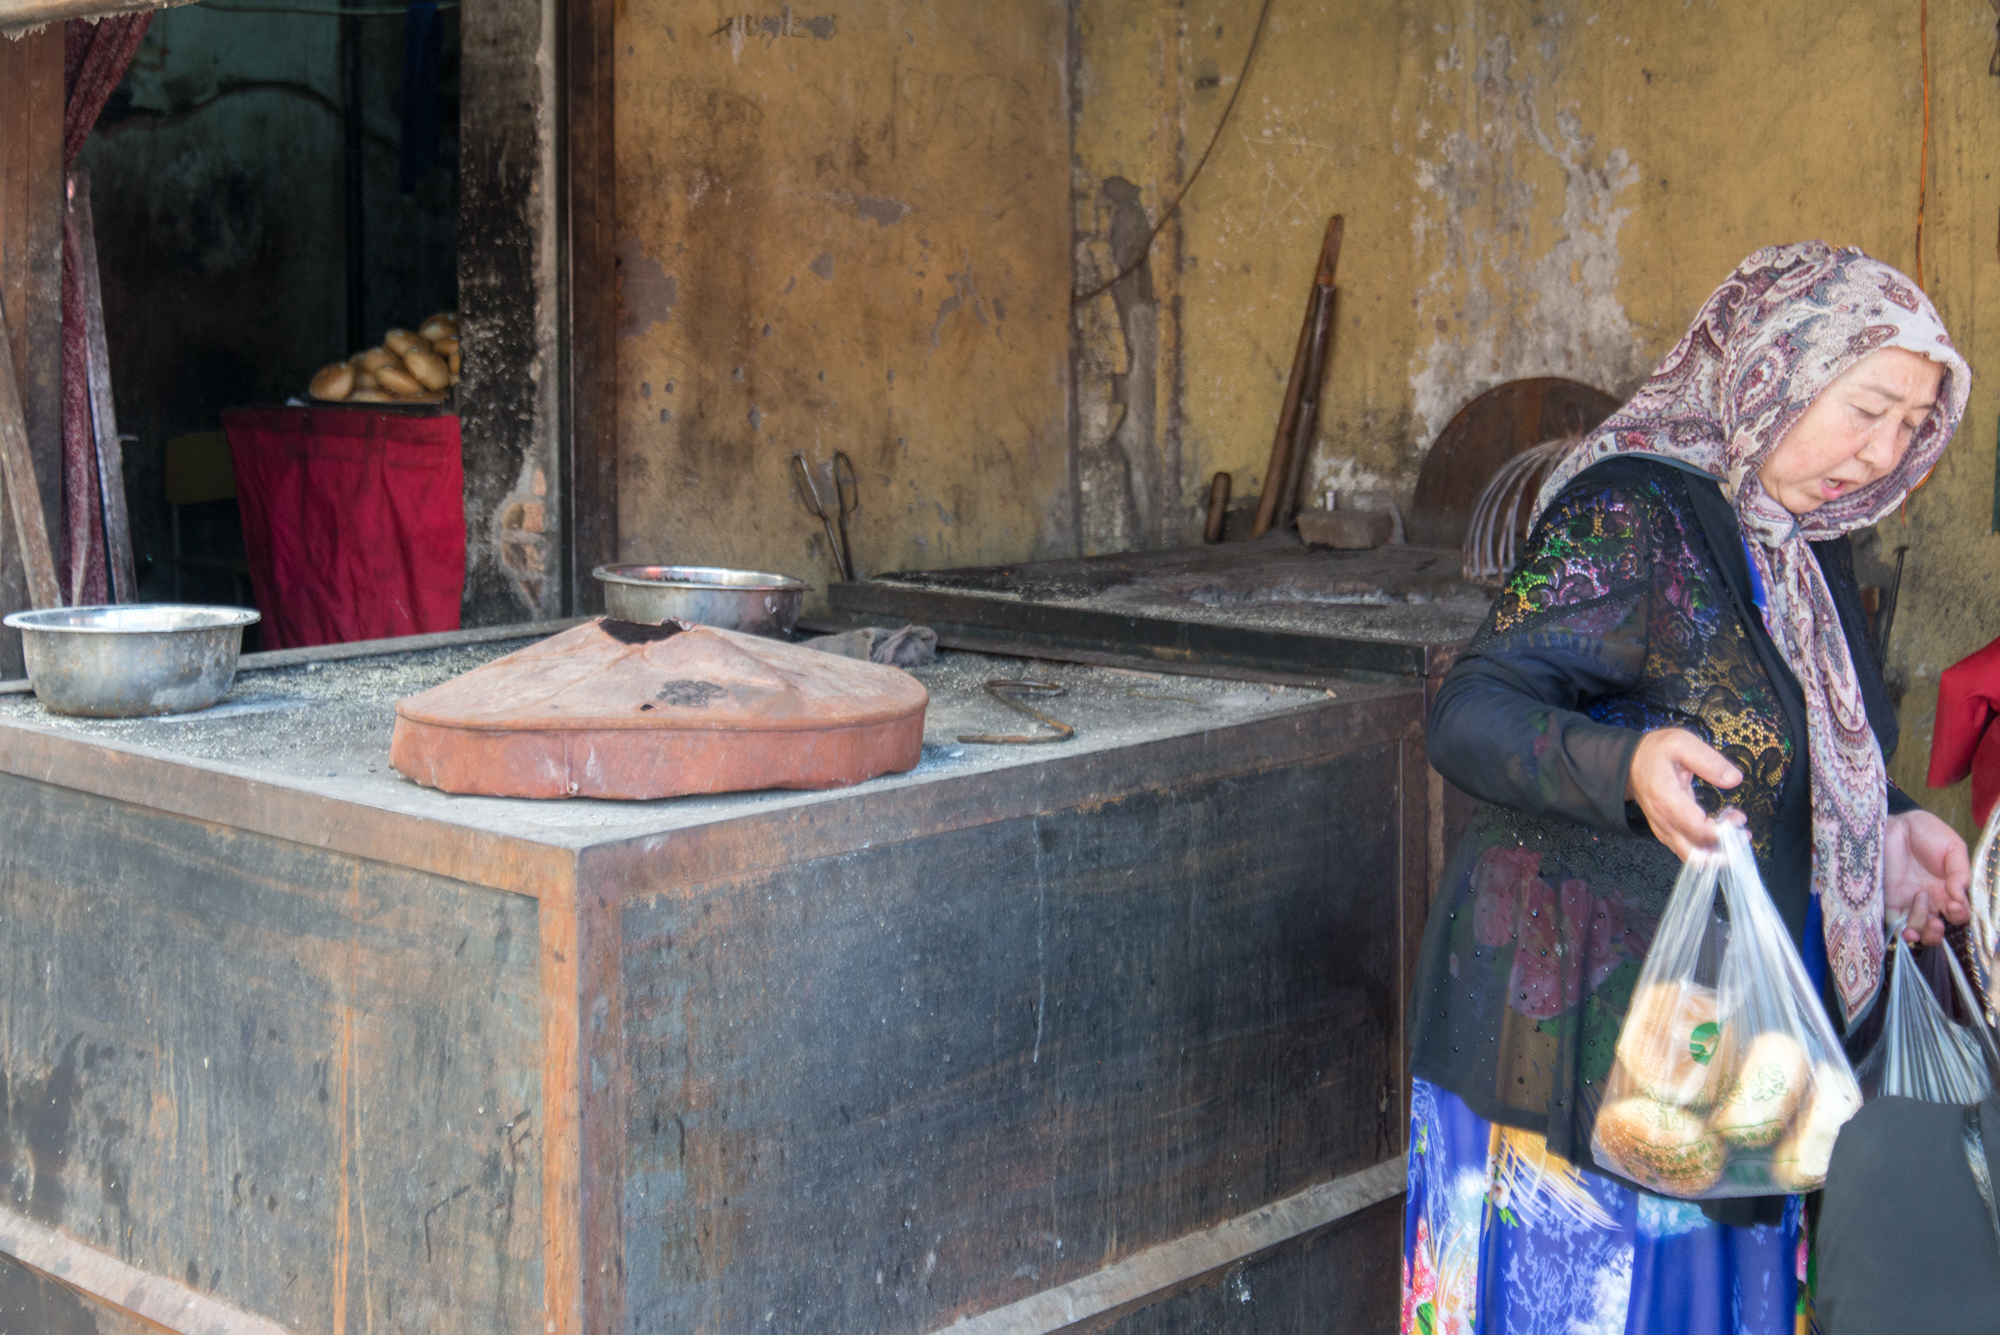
x=1256, y=35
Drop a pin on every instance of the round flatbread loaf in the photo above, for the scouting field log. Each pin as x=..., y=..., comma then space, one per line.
x=1660, y=1146
x=1799, y=1161
x=427, y=367
x=332, y=383
x=1668, y=1043
x=1764, y=1084
x=398, y=381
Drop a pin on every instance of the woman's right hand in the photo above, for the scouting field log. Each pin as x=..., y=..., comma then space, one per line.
x=1663, y=769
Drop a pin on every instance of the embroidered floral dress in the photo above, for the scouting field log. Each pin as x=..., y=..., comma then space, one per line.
x=1634, y=610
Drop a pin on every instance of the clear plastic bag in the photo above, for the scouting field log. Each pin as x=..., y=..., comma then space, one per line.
x=1923, y=1053
x=1728, y=1079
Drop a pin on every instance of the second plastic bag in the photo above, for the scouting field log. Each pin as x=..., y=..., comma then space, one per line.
x=1729, y=1079
x=1923, y=1053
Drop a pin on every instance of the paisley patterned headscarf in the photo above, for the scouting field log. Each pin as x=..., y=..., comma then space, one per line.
x=1788, y=323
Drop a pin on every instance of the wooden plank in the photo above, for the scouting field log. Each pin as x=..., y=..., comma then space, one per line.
x=31, y=218
x=103, y=414
x=24, y=495
x=143, y=1302
x=591, y=495
x=1140, y=1281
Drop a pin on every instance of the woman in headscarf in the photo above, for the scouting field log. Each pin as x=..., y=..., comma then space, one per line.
x=1683, y=638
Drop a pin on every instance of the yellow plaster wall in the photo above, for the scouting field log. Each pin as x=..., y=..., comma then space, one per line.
x=1546, y=189
x=843, y=230
x=1530, y=189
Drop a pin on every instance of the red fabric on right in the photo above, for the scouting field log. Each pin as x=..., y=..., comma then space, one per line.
x=354, y=521
x=1963, y=740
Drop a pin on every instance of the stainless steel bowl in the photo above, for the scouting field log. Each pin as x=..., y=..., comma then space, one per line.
x=133, y=660
x=751, y=601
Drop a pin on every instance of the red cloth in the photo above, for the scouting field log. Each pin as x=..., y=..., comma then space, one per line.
x=95, y=56
x=354, y=521
x=1964, y=740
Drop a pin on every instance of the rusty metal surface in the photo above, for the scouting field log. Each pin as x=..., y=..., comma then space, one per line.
x=1486, y=433
x=1040, y=916
x=1267, y=606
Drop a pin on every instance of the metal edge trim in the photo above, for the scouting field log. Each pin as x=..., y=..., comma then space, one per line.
x=149, y=1299
x=1158, y=1272
x=295, y=814
x=658, y=862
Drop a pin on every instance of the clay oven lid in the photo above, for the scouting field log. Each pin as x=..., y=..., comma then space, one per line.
x=617, y=709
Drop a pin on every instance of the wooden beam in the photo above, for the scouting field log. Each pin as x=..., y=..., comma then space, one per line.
x=103, y=415
x=24, y=497
x=591, y=494
x=31, y=219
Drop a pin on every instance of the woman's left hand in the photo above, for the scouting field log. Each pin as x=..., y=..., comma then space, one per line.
x=1925, y=870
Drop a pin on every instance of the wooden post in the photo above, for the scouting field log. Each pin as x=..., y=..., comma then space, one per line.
x=24, y=496
x=31, y=219
x=103, y=415
x=1280, y=470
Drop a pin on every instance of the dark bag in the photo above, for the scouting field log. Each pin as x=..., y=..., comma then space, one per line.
x=1907, y=1234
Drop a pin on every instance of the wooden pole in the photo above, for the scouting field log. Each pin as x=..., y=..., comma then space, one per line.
x=24, y=496
x=1279, y=470
x=103, y=416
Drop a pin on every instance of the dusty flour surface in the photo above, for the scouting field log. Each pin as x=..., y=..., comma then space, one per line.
x=326, y=727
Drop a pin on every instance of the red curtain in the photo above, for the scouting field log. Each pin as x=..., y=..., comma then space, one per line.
x=354, y=520
x=95, y=58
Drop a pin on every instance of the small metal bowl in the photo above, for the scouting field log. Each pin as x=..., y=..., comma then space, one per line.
x=751, y=601
x=132, y=660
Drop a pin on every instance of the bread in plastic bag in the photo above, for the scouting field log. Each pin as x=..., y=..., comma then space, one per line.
x=1728, y=1078
x=1923, y=1053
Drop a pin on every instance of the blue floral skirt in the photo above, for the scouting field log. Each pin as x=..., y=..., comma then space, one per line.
x=1503, y=1238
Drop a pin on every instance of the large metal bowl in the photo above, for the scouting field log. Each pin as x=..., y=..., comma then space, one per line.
x=751, y=601
x=134, y=660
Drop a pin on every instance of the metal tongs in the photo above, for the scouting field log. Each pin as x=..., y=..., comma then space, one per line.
x=1008, y=692
x=846, y=500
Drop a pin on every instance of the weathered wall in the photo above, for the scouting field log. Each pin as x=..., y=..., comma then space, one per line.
x=843, y=231
x=1530, y=189
x=1533, y=189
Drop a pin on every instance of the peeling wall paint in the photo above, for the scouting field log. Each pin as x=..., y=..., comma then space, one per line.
x=1512, y=287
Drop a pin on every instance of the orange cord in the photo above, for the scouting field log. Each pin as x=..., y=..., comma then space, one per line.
x=1924, y=165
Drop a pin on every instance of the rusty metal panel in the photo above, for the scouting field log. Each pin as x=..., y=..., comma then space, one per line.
x=304, y=1083
x=879, y=1089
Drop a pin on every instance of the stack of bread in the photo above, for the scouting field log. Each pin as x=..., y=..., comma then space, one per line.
x=1692, y=1097
x=417, y=366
